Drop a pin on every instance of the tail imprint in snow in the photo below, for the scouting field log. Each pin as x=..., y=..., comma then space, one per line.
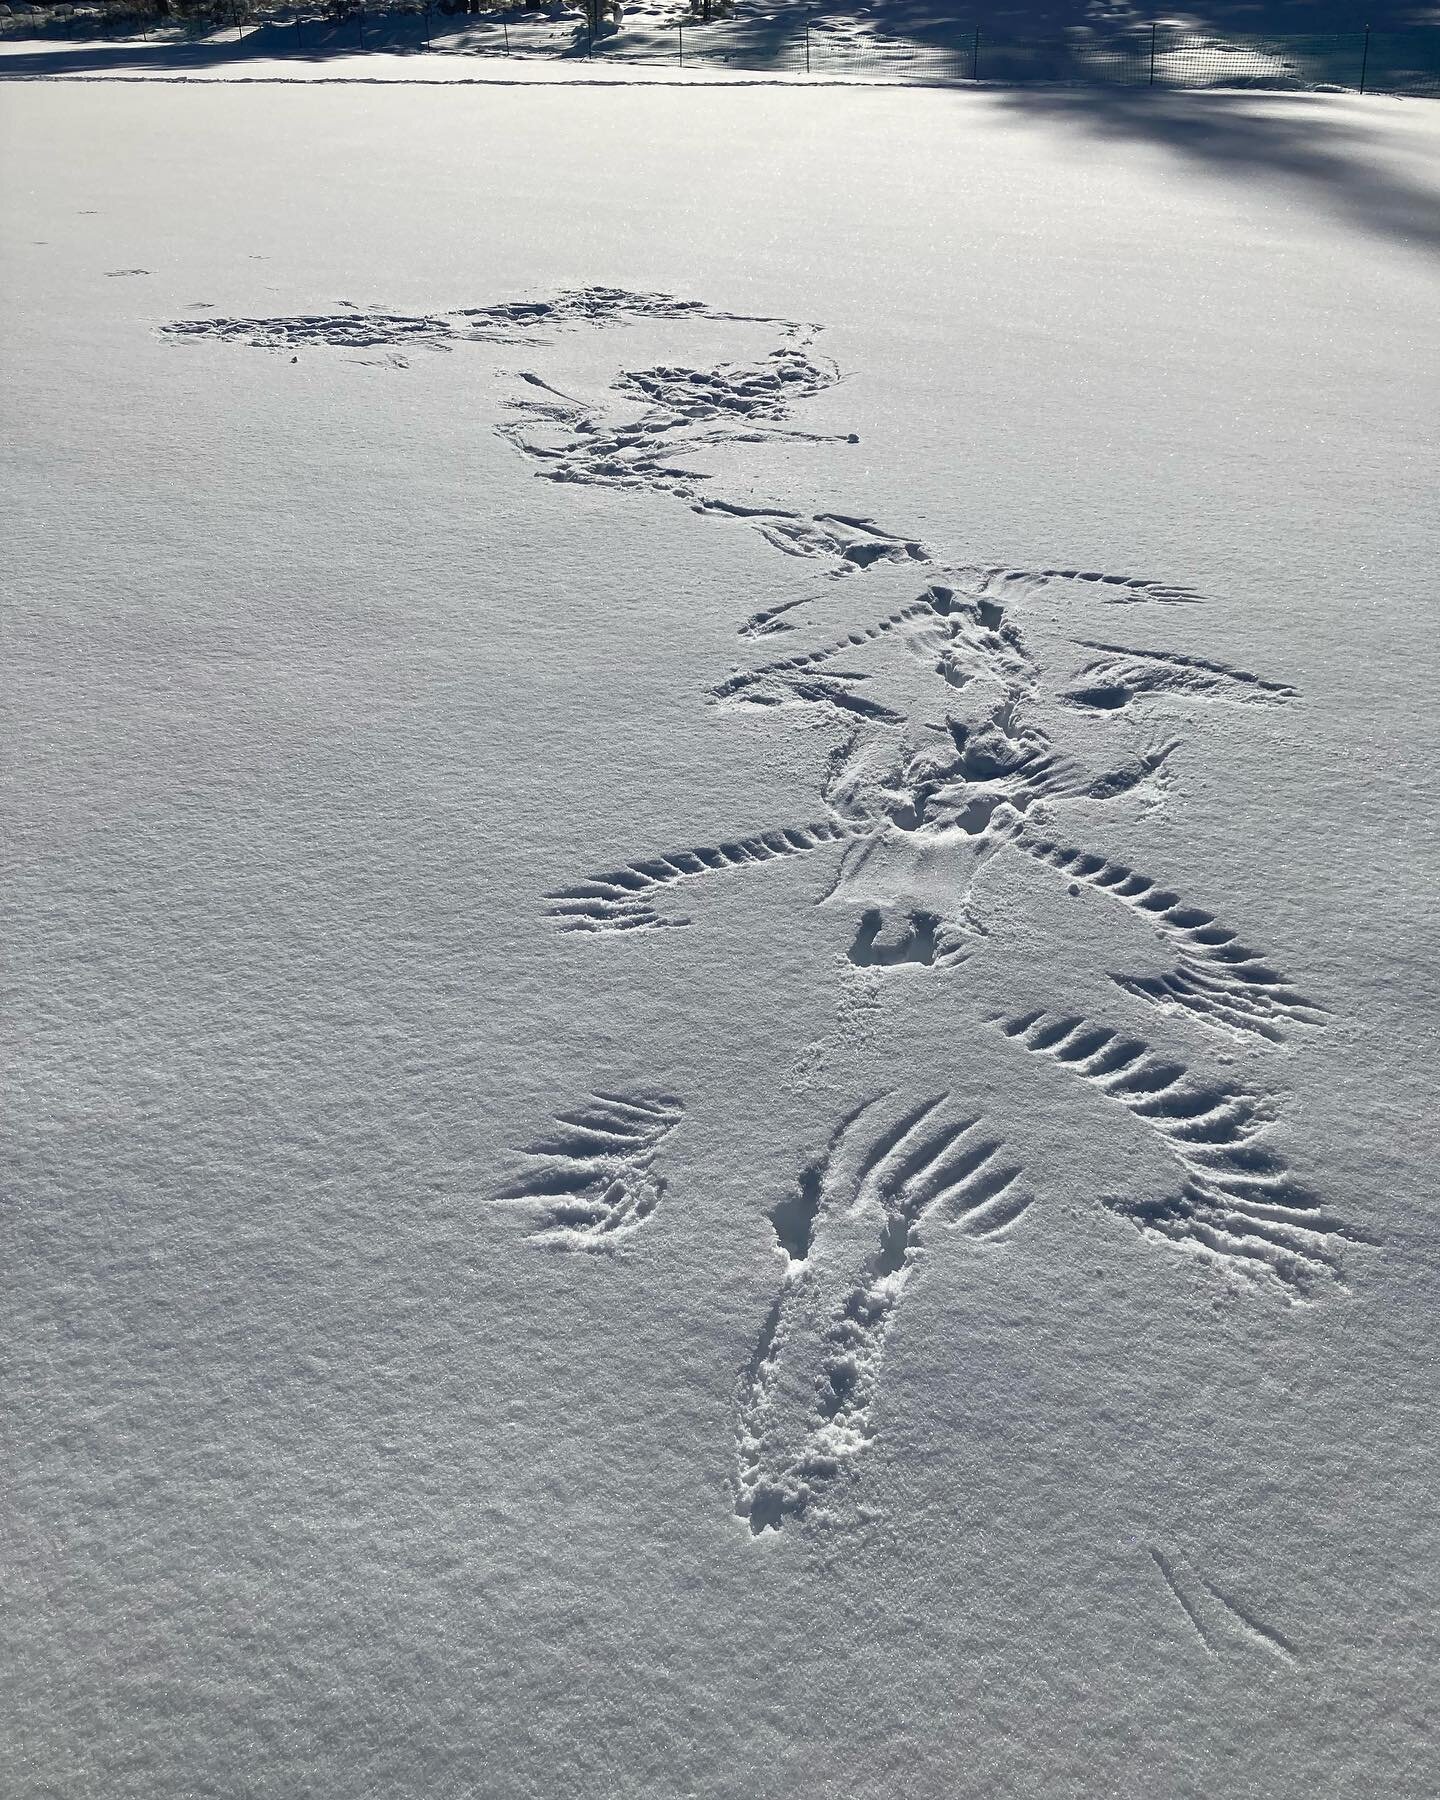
x=852, y=1235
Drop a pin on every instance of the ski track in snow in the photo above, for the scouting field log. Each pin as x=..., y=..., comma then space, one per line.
x=852, y=1238
x=588, y=1181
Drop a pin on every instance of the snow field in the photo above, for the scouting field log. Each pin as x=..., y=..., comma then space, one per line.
x=721, y=979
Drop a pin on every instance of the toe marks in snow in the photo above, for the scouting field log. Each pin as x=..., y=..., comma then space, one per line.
x=1219, y=1620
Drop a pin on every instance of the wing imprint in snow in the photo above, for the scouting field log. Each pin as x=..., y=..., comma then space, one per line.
x=588, y=1181
x=1112, y=590
x=625, y=899
x=1119, y=676
x=1217, y=981
x=1238, y=1206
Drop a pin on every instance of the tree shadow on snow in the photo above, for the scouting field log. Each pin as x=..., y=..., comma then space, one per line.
x=1335, y=165
x=317, y=39
x=955, y=21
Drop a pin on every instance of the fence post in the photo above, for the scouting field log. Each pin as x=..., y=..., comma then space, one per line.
x=360, y=21
x=427, y=25
x=807, y=43
x=682, y=46
x=506, y=29
x=975, y=57
x=1365, y=60
x=1152, y=53
x=299, y=41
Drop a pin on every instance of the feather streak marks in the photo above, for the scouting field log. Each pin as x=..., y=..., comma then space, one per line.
x=1217, y=981
x=626, y=899
x=588, y=1182
x=1237, y=1205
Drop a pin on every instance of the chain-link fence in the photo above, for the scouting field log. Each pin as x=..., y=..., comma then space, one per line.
x=1153, y=56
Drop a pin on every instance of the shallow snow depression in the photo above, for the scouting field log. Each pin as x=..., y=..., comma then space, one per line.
x=721, y=991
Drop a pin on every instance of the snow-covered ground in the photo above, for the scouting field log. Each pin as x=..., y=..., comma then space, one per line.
x=719, y=931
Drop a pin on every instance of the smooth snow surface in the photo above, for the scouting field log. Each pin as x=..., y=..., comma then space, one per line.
x=720, y=943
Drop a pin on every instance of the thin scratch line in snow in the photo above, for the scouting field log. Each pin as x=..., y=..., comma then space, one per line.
x=1185, y=1606
x=1265, y=1634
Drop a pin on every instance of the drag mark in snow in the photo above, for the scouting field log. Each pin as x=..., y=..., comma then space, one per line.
x=113, y=273
x=690, y=410
x=1119, y=676
x=589, y=1181
x=624, y=899
x=361, y=329
x=1238, y=1206
x=515, y=321
x=748, y=393
x=1218, y=980
x=687, y=410
x=851, y=1235
x=682, y=410
x=1231, y=1617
